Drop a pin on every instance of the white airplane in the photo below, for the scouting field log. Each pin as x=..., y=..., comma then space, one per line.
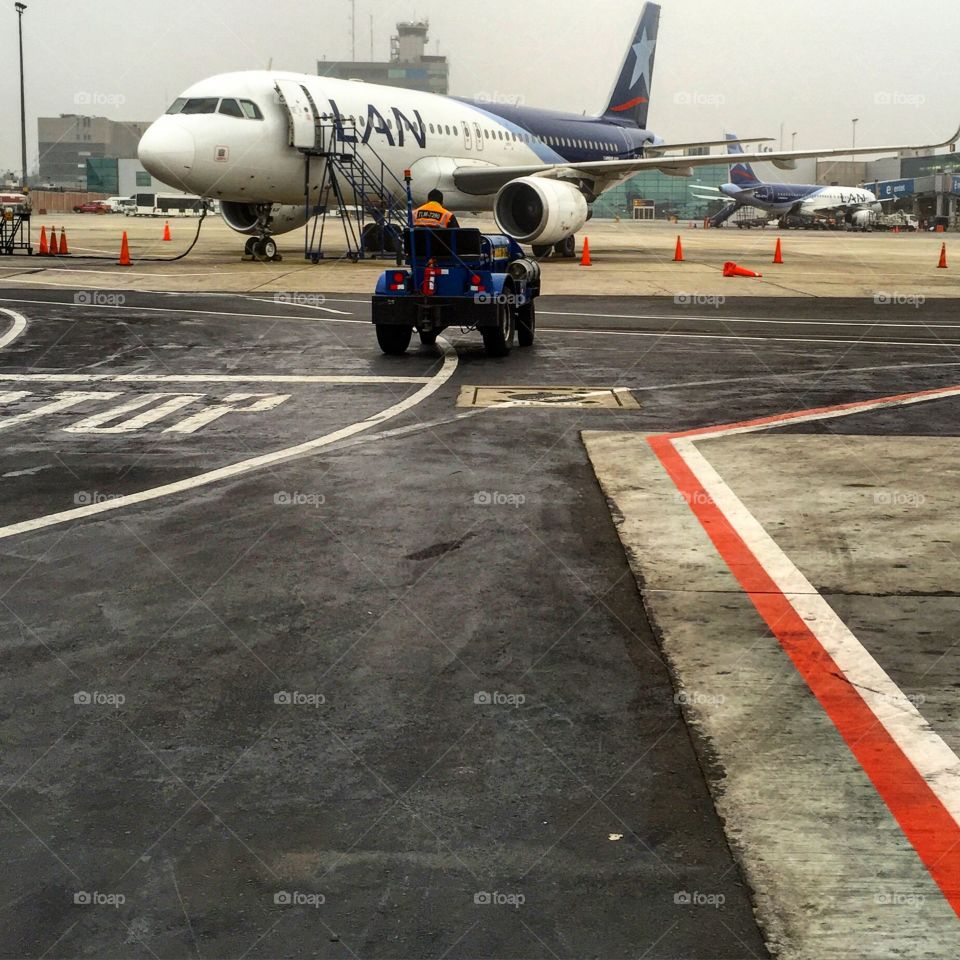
x=242, y=139
x=856, y=205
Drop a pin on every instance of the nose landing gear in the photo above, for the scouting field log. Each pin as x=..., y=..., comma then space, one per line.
x=263, y=247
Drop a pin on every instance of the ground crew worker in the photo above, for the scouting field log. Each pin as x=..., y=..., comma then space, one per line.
x=434, y=214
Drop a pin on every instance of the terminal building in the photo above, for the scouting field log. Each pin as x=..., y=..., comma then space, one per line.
x=70, y=142
x=409, y=65
x=122, y=178
x=925, y=185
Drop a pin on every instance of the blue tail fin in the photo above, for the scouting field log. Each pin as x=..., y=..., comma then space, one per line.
x=630, y=99
x=741, y=174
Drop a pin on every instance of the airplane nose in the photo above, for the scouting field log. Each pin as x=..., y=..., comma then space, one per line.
x=168, y=152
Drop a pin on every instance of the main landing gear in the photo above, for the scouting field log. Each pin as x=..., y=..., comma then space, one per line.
x=565, y=249
x=262, y=247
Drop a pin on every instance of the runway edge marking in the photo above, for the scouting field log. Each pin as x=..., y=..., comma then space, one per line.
x=19, y=326
x=450, y=364
x=913, y=769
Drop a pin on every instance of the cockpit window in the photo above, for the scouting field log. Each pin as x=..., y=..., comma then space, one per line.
x=201, y=105
x=231, y=108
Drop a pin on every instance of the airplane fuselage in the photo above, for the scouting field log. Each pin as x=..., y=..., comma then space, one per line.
x=802, y=199
x=245, y=154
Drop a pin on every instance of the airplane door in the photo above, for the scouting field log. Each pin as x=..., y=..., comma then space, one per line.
x=467, y=136
x=479, y=132
x=300, y=110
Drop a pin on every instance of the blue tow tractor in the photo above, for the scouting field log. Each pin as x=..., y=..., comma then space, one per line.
x=457, y=278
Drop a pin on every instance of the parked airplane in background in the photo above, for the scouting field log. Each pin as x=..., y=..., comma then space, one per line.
x=856, y=205
x=242, y=138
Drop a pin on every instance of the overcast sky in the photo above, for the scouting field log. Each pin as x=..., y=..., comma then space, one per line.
x=721, y=65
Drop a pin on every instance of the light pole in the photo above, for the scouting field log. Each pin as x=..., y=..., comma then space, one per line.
x=855, y=122
x=353, y=27
x=23, y=100
x=794, y=144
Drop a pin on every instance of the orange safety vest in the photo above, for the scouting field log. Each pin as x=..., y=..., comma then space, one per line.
x=432, y=215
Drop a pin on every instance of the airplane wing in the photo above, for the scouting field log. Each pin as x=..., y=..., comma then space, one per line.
x=656, y=149
x=481, y=181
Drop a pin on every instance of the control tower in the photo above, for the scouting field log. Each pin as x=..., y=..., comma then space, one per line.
x=409, y=65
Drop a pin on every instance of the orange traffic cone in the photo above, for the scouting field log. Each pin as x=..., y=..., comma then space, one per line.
x=64, y=249
x=942, y=265
x=678, y=256
x=585, y=260
x=54, y=246
x=125, y=260
x=166, y=232
x=44, y=246
x=731, y=269
x=778, y=256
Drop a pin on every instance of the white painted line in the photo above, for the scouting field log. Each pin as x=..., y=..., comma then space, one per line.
x=264, y=403
x=792, y=375
x=12, y=397
x=66, y=401
x=84, y=270
x=720, y=318
x=195, y=313
x=934, y=760
x=200, y=378
x=96, y=423
x=450, y=363
x=303, y=306
x=652, y=334
x=548, y=330
x=19, y=325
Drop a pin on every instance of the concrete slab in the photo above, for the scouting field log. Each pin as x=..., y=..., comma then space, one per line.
x=831, y=871
x=629, y=259
x=860, y=515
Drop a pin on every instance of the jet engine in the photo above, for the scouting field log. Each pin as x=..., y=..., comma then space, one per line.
x=539, y=211
x=861, y=219
x=245, y=217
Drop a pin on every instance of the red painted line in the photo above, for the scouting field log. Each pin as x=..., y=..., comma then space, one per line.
x=925, y=821
x=785, y=418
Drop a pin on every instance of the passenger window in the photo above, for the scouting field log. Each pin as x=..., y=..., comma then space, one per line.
x=231, y=109
x=201, y=105
x=178, y=105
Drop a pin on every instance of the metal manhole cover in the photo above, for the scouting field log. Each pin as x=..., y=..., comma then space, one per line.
x=605, y=398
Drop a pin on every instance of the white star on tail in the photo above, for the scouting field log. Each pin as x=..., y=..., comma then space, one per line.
x=643, y=51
